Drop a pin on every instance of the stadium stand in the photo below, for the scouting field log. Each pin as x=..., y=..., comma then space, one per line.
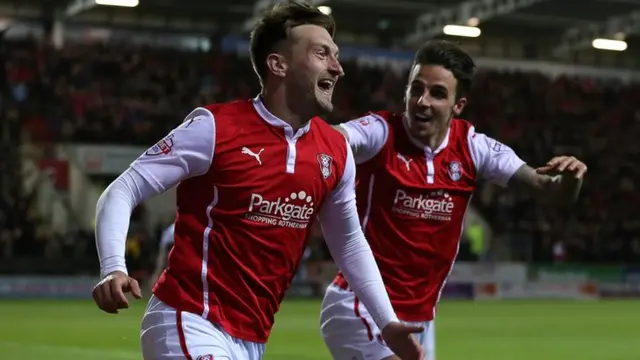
x=130, y=95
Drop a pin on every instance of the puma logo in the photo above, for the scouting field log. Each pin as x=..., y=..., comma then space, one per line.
x=247, y=151
x=406, y=162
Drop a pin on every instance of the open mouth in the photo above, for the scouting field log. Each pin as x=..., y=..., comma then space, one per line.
x=422, y=118
x=326, y=85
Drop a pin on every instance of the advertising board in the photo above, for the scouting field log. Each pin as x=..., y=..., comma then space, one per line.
x=536, y=290
x=23, y=287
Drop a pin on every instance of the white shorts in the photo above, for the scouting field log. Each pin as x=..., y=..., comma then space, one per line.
x=168, y=334
x=350, y=333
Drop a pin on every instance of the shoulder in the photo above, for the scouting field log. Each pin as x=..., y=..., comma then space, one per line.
x=461, y=127
x=332, y=147
x=324, y=129
x=231, y=118
x=231, y=108
x=330, y=139
x=461, y=133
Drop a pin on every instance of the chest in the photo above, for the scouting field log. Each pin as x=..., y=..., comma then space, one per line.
x=448, y=169
x=262, y=169
x=414, y=185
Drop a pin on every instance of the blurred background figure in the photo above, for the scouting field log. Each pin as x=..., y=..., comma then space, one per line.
x=166, y=243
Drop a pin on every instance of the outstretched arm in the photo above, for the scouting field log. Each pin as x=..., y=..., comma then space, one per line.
x=560, y=179
x=366, y=136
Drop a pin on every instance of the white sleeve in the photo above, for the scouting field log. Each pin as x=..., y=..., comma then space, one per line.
x=113, y=212
x=494, y=161
x=350, y=250
x=186, y=152
x=367, y=136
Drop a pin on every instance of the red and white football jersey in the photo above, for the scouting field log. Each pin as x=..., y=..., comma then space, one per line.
x=412, y=202
x=252, y=191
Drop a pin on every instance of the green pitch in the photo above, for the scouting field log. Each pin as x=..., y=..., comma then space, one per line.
x=549, y=330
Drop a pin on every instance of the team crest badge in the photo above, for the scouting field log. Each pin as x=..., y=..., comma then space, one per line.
x=455, y=170
x=325, y=165
x=205, y=357
x=163, y=146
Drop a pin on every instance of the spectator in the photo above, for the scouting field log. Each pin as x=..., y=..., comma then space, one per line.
x=134, y=95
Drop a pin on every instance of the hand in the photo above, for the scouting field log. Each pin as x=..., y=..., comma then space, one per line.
x=398, y=338
x=109, y=293
x=564, y=165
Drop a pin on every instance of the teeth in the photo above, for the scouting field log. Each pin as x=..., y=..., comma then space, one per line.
x=422, y=117
x=326, y=83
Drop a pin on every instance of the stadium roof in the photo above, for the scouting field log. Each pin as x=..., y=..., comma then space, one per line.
x=536, y=21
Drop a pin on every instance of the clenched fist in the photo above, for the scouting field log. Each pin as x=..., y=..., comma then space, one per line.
x=109, y=294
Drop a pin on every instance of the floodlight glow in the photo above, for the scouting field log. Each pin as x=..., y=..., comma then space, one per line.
x=123, y=3
x=325, y=10
x=459, y=30
x=608, y=44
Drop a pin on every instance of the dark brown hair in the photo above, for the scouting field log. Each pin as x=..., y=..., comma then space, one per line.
x=275, y=25
x=451, y=57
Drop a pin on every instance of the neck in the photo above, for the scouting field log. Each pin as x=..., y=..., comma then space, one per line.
x=433, y=141
x=275, y=100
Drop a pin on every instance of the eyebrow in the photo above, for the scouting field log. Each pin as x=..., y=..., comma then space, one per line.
x=422, y=82
x=327, y=47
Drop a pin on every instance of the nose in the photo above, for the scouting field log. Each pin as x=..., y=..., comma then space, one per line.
x=424, y=100
x=335, y=69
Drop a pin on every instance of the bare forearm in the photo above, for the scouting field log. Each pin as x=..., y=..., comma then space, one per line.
x=561, y=188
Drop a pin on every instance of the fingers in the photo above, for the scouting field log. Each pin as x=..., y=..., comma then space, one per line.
x=544, y=169
x=551, y=166
x=564, y=163
x=417, y=352
x=105, y=302
x=414, y=329
x=555, y=161
x=399, y=337
x=135, y=288
x=117, y=294
x=582, y=169
x=110, y=296
x=561, y=164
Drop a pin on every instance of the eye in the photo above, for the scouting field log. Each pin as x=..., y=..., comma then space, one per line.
x=416, y=90
x=439, y=93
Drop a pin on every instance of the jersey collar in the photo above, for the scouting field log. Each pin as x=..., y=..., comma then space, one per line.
x=273, y=120
x=418, y=143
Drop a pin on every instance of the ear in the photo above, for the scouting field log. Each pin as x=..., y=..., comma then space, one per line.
x=459, y=106
x=277, y=64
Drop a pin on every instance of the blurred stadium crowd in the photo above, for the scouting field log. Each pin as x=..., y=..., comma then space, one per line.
x=126, y=95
